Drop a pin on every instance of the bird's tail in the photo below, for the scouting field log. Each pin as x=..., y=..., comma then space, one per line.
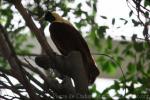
x=93, y=73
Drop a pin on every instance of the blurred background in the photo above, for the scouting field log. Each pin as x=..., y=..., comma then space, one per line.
x=113, y=29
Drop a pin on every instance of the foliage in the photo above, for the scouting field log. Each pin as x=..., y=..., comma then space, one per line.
x=134, y=52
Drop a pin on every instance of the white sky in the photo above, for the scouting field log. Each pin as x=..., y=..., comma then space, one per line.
x=117, y=9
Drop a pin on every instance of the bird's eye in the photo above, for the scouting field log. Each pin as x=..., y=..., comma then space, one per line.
x=52, y=18
x=49, y=17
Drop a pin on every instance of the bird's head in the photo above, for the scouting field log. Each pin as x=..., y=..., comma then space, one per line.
x=52, y=16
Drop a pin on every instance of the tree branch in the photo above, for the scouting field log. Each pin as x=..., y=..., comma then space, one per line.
x=9, y=54
x=38, y=32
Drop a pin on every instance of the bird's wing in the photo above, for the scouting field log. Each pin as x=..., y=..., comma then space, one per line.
x=67, y=39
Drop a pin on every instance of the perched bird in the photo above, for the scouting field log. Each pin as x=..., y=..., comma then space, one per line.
x=67, y=39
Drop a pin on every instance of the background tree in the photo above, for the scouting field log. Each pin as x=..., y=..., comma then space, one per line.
x=109, y=58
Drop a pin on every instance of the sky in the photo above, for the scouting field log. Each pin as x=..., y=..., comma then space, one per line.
x=118, y=9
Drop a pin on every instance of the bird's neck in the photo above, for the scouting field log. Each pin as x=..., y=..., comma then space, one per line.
x=61, y=20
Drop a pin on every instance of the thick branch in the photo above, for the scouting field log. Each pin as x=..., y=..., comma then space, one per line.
x=8, y=72
x=38, y=32
x=13, y=89
x=9, y=54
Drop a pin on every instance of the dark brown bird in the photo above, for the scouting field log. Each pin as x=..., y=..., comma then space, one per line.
x=67, y=39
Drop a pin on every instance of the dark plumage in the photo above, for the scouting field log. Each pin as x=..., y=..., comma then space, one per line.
x=68, y=39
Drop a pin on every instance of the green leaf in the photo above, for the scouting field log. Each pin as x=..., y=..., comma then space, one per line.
x=93, y=89
x=135, y=23
x=131, y=88
x=94, y=7
x=116, y=50
x=134, y=36
x=138, y=46
x=116, y=85
x=113, y=21
x=146, y=14
x=132, y=68
x=78, y=25
x=125, y=21
x=3, y=62
x=130, y=14
x=104, y=17
x=24, y=51
x=123, y=42
x=147, y=3
x=19, y=29
x=101, y=31
x=21, y=38
x=109, y=42
x=127, y=51
x=88, y=3
x=29, y=45
x=79, y=6
x=109, y=67
x=139, y=66
x=123, y=37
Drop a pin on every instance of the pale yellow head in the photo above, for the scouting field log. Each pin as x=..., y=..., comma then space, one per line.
x=54, y=17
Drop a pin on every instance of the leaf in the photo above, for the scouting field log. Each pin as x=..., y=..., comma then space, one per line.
x=109, y=42
x=93, y=89
x=21, y=38
x=122, y=19
x=131, y=88
x=125, y=21
x=29, y=45
x=139, y=66
x=104, y=17
x=94, y=7
x=88, y=3
x=19, y=29
x=136, y=23
x=131, y=68
x=123, y=37
x=24, y=51
x=138, y=46
x=79, y=6
x=96, y=42
x=147, y=3
x=78, y=25
x=116, y=85
x=123, y=42
x=101, y=31
x=134, y=36
x=113, y=21
x=130, y=14
x=127, y=50
x=109, y=67
x=3, y=62
x=146, y=14
x=116, y=50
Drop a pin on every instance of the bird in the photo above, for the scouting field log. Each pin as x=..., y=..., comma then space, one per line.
x=67, y=39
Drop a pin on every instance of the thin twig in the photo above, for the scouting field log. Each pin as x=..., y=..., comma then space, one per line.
x=10, y=55
x=32, y=68
x=115, y=62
